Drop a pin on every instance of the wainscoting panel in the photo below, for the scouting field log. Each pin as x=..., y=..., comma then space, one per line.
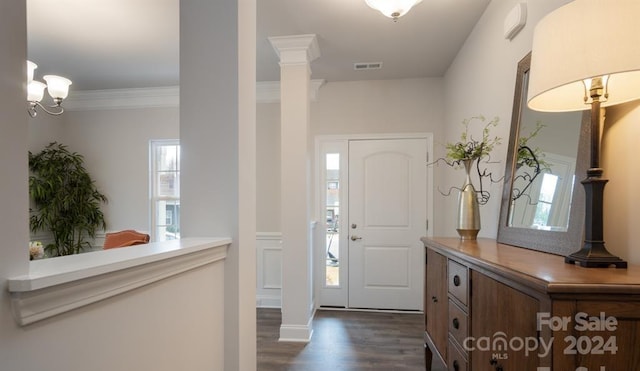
x=269, y=269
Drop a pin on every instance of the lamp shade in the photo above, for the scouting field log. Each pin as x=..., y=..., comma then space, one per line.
x=392, y=8
x=58, y=86
x=35, y=91
x=582, y=40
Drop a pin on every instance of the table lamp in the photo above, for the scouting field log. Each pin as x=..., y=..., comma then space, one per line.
x=586, y=55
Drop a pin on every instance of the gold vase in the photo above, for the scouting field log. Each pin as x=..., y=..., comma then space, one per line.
x=468, y=220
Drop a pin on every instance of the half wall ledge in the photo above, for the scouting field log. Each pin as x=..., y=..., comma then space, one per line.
x=57, y=285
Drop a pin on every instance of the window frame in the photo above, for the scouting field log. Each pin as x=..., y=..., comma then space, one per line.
x=154, y=187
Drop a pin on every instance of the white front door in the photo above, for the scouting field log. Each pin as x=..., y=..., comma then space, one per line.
x=387, y=216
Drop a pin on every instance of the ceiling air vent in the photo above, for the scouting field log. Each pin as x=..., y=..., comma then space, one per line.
x=367, y=66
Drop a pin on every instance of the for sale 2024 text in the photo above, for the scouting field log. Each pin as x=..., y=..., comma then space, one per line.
x=594, y=342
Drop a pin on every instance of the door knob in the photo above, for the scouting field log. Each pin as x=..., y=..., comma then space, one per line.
x=355, y=238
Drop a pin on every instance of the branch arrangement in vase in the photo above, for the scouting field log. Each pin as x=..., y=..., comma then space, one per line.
x=474, y=150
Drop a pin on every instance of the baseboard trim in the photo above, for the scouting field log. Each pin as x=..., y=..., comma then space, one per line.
x=268, y=301
x=295, y=333
x=346, y=309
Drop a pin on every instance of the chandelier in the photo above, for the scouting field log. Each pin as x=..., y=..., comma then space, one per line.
x=393, y=9
x=57, y=86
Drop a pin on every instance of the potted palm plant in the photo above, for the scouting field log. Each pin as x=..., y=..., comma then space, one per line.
x=66, y=200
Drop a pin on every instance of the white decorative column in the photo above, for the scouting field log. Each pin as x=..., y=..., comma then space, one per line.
x=217, y=138
x=14, y=143
x=296, y=54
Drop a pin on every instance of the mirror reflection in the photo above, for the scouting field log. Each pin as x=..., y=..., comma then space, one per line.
x=544, y=168
x=542, y=199
x=122, y=112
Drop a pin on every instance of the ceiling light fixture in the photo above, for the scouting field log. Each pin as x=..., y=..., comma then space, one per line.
x=393, y=9
x=57, y=86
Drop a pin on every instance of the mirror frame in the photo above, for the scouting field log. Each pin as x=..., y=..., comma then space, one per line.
x=555, y=242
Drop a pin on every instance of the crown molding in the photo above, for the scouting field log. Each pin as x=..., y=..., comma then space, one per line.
x=88, y=100
x=296, y=49
x=168, y=96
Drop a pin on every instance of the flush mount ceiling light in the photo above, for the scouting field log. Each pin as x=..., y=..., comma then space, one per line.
x=57, y=86
x=393, y=9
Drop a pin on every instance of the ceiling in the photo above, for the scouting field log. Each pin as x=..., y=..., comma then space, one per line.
x=110, y=44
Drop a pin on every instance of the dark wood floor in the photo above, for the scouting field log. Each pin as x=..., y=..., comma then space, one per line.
x=344, y=341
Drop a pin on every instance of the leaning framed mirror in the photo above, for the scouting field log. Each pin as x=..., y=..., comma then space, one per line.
x=543, y=199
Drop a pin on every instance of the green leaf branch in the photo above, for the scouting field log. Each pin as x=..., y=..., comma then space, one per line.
x=470, y=148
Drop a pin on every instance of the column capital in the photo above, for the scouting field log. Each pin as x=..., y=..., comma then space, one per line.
x=296, y=49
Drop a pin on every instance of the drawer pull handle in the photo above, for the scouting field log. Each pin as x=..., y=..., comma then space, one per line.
x=456, y=324
x=456, y=280
x=434, y=299
x=456, y=365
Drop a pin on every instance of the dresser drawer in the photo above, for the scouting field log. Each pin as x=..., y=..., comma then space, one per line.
x=458, y=323
x=456, y=361
x=458, y=281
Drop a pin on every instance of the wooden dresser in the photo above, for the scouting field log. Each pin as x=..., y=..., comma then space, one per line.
x=490, y=306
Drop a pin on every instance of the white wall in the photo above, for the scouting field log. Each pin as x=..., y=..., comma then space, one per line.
x=620, y=140
x=115, y=145
x=268, y=167
x=481, y=80
x=44, y=129
x=379, y=106
x=349, y=107
x=174, y=324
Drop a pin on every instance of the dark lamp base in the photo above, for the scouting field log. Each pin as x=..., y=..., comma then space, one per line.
x=595, y=257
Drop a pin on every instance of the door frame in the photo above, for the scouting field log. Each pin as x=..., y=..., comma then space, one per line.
x=338, y=296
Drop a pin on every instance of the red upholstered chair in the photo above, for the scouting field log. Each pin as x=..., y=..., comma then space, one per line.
x=128, y=237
